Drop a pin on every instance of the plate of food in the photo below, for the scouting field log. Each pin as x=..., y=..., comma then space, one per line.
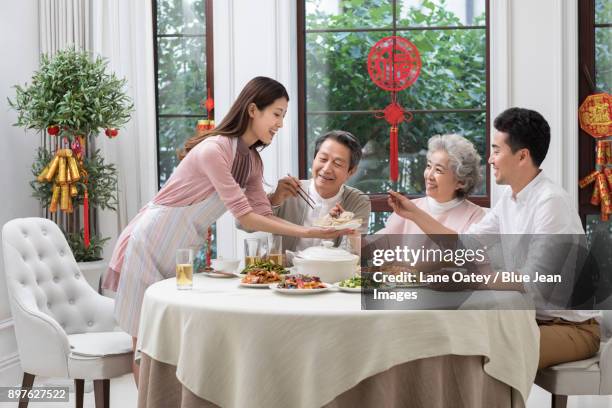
x=259, y=278
x=346, y=220
x=300, y=284
x=350, y=285
x=264, y=265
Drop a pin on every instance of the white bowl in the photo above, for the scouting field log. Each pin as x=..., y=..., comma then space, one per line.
x=225, y=265
x=328, y=263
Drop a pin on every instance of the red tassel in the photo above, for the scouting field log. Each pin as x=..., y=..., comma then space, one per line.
x=86, y=220
x=393, y=155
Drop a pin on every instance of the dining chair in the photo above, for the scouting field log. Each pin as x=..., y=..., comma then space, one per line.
x=64, y=328
x=592, y=376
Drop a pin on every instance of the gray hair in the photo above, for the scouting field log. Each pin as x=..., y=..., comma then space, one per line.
x=463, y=160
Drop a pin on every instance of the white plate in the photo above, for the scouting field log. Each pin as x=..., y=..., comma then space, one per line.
x=255, y=285
x=275, y=288
x=225, y=275
x=345, y=289
x=348, y=225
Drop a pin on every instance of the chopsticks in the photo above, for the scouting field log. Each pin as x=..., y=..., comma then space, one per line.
x=304, y=195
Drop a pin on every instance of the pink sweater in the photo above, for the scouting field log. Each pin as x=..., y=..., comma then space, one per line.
x=205, y=169
x=458, y=218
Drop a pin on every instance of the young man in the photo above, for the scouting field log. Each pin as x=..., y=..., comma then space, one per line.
x=532, y=204
x=337, y=155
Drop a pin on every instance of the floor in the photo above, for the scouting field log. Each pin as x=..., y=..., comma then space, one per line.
x=123, y=395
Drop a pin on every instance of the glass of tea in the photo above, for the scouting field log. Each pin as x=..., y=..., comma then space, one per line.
x=184, y=268
x=251, y=251
x=275, y=249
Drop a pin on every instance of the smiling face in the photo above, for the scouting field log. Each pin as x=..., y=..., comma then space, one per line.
x=505, y=164
x=265, y=123
x=330, y=168
x=441, y=184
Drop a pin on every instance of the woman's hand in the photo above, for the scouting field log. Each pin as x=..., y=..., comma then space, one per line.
x=336, y=211
x=327, y=233
x=401, y=205
x=287, y=187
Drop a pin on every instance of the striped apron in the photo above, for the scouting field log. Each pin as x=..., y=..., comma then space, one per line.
x=158, y=233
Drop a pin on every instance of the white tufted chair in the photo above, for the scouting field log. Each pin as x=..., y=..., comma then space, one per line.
x=63, y=327
x=592, y=376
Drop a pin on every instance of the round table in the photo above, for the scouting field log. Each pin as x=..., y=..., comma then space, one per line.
x=237, y=346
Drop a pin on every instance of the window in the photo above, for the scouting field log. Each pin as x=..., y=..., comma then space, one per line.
x=183, y=74
x=450, y=95
x=595, y=62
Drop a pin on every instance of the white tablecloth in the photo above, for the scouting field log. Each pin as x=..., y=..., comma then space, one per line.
x=239, y=347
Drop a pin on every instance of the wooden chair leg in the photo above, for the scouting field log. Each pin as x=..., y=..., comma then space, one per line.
x=79, y=386
x=102, y=393
x=559, y=401
x=26, y=384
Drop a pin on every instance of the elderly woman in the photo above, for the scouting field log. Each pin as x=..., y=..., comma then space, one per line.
x=451, y=174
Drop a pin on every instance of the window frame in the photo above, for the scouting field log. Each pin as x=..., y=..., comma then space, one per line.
x=209, y=52
x=586, y=64
x=379, y=201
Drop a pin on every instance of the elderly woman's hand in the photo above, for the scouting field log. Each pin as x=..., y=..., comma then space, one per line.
x=401, y=205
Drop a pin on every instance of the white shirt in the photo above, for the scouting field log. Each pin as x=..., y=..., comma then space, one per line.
x=541, y=207
x=322, y=207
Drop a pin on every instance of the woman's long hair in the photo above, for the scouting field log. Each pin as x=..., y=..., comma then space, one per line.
x=262, y=91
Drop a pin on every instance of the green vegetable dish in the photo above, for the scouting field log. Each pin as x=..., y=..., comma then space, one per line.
x=266, y=266
x=354, y=282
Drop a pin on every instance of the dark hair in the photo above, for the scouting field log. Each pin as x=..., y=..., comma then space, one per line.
x=526, y=129
x=262, y=91
x=345, y=138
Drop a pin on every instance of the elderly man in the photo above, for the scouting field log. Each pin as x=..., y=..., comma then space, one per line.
x=337, y=155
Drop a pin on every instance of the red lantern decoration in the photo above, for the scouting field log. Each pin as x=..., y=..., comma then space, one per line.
x=595, y=115
x=53, y=130
x=111, y=132
x=394, y=64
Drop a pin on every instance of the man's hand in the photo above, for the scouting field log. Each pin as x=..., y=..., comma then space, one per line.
x=287, y=187
x=327, y=233
x=336, y=211
x=401, y=205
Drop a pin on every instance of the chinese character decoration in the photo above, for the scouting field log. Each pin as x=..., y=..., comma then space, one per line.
x=595, y=116
x=394, y=64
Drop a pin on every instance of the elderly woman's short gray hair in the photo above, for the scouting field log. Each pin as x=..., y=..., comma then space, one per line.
x=463, y=160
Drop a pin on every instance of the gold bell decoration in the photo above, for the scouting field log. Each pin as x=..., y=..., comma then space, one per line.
x=64, y=171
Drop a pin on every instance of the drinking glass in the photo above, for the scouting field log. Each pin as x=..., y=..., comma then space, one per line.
x=184, y=268
x=251, y=251
x=275, y=249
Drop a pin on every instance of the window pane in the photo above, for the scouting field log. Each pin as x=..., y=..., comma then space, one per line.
x=603, y=59
x=603, y=11
x=377, y=221
x=348, y=14
x=181, y=75
x=453, y=73
x=181, y=17
x=336, y=73
x=372, y=175
x=339, y=14
x=432, y=13
x=172, y=135
x=599, y=237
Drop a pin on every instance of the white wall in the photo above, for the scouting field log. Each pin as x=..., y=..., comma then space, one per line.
x=534, y=65
x=20, y=49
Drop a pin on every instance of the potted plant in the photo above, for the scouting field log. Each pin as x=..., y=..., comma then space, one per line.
x=73, y=98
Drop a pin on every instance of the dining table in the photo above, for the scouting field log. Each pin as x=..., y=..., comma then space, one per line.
x=222, y=344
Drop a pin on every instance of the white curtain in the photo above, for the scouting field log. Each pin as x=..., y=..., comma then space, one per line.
x=122, y=31
x=64, y=23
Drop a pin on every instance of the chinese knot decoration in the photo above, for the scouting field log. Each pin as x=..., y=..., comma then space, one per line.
x=595, y=116
x=394, y=64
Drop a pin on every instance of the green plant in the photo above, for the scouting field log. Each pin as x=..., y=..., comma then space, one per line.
x=80, y=251
x=72, y=91
x=74, y=94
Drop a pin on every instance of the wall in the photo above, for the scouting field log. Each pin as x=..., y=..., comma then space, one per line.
x=20, y=49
